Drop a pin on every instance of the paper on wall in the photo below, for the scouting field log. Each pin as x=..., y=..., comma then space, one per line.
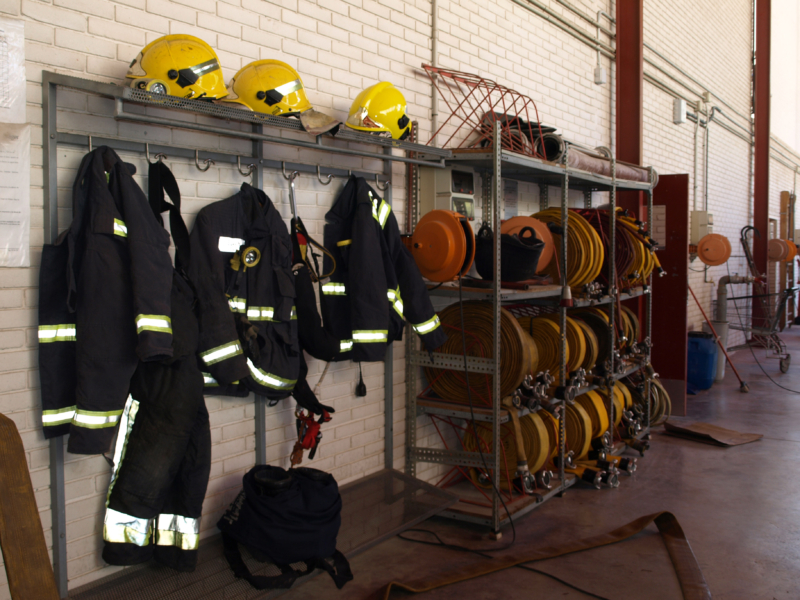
x=12, y=71
x=15, y=195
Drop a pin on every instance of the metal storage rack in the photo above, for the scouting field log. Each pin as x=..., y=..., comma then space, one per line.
x=206, y=117
x=493, y=166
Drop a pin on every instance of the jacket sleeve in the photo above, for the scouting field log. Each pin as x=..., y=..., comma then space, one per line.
x=151, y=271
x=415, y=303
x=369, y=309
x=220, y=352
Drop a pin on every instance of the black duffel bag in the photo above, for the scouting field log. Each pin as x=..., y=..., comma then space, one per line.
x=285, y=517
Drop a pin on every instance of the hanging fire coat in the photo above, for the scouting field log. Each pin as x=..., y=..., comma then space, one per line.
x=376, y=284
x=104, y=304
x=261, y=330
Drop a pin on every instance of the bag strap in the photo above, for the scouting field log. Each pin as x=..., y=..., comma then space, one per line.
x=161, y=179
x=339, y=571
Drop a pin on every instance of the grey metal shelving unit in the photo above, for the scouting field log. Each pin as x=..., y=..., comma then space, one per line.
x=138, y=106
x=493, y=166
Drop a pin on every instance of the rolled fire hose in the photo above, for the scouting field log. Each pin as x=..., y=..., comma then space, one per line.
x=526, y=440
x=599, y=326
x=552, y=146
x=578, y=426
x=594, y=406
x=518, y=350
x=547, y=335
x=585, y=252
x=592, y=345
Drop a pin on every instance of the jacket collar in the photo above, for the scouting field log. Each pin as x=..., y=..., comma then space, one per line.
x=257, y=211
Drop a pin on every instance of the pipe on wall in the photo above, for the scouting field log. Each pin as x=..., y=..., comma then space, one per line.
x=434, y=63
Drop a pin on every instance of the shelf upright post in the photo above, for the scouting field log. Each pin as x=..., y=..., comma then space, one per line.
x=260, y=401
x=562, y=321
x=411, y=340
x=50, y=184
x=612, y=290
x=544, y=196
x=497, y=195
x=388, y=361
x=648, y=336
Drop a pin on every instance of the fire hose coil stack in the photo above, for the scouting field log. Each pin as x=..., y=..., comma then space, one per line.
x=584, y=249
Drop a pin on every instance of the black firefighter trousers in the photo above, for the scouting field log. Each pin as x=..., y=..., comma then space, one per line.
x=162, y=456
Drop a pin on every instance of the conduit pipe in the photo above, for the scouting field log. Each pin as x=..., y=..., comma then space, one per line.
x=705, y=159
x=434, y=63
x=721, y=322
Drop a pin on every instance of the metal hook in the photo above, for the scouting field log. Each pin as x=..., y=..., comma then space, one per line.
x=291, y=176
x=208, y=162
x=383, y=187
x=330, y=177
x=160, y=157
x=250, y=168
x=90, y=143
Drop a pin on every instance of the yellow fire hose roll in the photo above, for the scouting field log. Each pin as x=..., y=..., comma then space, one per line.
x=592, y=345
x=534, y=445
x=546, y=334
x=584, y=249
x=551, y=424
x=626, y=393
x=515, y=347
x=576, y=342
x=593, y=403
x=537, y=441
x=578, y=426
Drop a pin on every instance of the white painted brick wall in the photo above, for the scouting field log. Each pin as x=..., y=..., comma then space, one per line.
x=340, y=47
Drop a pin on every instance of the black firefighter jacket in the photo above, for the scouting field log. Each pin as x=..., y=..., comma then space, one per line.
x=376, y=284
x=104, y=303
x=261, y=329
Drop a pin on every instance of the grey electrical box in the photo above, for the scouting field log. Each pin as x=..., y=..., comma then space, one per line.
x=702, y=225
x=678, y=111
x=600, y=75
x=448, y=189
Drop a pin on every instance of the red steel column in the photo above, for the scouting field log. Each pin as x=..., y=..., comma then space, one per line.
x=762, y=127
x=630, y=79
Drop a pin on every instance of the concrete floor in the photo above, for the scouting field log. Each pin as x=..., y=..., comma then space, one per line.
x=739, y=507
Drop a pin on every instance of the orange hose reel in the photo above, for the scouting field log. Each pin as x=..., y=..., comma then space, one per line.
x=443, y=245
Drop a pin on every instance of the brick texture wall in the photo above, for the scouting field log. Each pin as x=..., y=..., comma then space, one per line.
x=340, y=47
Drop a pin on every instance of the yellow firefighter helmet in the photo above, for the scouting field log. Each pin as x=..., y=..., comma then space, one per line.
x=178, y=65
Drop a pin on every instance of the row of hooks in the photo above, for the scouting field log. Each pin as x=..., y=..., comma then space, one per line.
x=207, y=162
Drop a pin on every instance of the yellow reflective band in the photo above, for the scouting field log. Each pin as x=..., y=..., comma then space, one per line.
x=209, y=381
x=60, y=416
x=268, y=379
x=125, y=529
x=221, y=353
x=345, y=345
x=57, y=333
x=260, y=313
x=175, y=530
x=119, y=527
x=290, y=87
x=380, y=211
x=394, y=298
x=160, y=323
x=237, y=304
x=293, y=316
x=369, y=336
x=334, y=289
x=384, y=213
x=427, y=326
x=120, y=228
x=344, y=243
x=92, y=419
